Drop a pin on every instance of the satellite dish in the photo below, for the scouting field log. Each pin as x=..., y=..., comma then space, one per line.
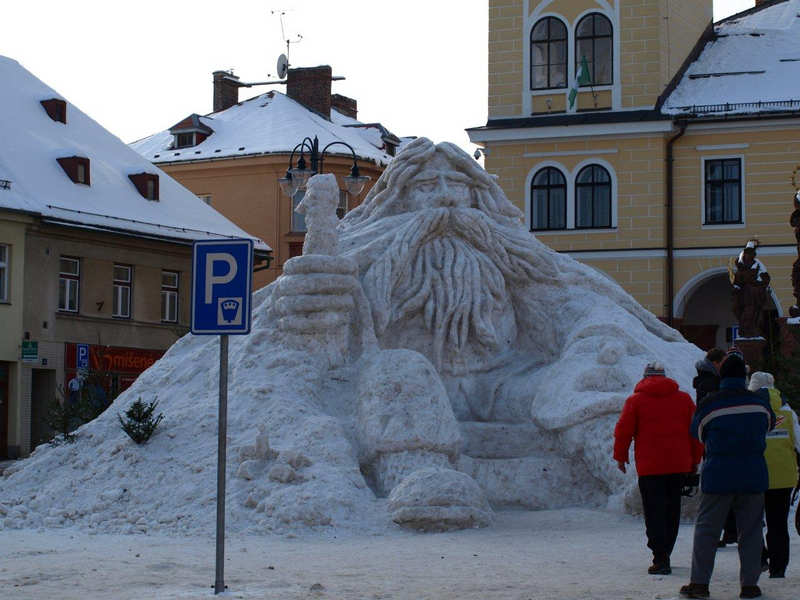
x=283, y=66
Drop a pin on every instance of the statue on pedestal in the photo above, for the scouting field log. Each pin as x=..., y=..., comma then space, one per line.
x=750, y=282
x=794, y=221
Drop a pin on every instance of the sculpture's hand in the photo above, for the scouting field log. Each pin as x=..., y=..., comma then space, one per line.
x=315, y=295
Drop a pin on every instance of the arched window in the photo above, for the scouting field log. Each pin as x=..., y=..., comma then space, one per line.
x=548, y=54
x=594, y=42
x=592, y=198
x=548, y=200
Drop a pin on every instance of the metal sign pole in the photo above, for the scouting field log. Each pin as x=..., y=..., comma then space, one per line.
x=222, y=289
x=219, y=581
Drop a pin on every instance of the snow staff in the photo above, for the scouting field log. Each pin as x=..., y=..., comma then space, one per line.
x=732, y=424
x=657, y=418
x=782, y=466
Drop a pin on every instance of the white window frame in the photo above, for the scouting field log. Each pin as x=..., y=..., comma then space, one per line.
x=169, y=297
x=5, y=251
x=297, y=218
x=121, y=305
x=703, y=160
x=570, y=175
x=69, y=281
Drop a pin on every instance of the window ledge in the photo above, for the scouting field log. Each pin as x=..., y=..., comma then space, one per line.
x=5, y=302
x=295, y=234
x=118, y=321
x=723, y=226
x=573, y=231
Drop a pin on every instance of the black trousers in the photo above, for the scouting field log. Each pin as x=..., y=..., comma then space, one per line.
x=776, y=507
x=661, y=500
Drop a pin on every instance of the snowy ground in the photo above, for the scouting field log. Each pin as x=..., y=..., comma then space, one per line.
x=564, y=554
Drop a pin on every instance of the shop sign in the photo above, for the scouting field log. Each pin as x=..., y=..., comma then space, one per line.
x=30, y=351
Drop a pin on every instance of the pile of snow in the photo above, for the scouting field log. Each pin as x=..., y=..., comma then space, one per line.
x=304, y=475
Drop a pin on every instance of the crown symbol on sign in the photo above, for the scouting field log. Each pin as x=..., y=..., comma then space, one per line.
x=230, y=305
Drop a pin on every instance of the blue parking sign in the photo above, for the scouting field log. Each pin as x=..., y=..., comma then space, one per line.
x=83, y=356
x=222, y=279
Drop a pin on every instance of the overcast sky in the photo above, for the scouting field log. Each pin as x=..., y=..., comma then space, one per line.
x=417, y=66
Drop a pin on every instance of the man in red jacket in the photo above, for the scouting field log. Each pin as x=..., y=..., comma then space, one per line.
x=657, y=418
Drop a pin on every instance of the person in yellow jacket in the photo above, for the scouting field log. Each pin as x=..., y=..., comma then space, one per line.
x=782, y=442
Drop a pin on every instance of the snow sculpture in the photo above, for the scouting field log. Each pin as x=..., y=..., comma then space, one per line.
x=434, y=360
x=436, y=262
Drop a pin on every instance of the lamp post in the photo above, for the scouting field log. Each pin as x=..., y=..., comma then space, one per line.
x=297, y=176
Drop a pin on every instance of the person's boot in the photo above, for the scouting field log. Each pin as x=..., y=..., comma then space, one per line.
x=695, y=590
x=750, y=591
x=660, y=566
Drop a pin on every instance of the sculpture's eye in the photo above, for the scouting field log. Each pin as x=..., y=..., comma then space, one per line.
x=426, y=187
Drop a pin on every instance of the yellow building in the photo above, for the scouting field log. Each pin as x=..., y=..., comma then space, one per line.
x=95, y=257
x=234, y=157
x=650, y=143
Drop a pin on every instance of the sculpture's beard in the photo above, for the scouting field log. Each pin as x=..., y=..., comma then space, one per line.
x=449, y=267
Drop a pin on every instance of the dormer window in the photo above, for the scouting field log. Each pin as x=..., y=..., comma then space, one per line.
x=189, y=132
x=184, y=140
x=56, y=109
x=76, y=168
x=146, y=184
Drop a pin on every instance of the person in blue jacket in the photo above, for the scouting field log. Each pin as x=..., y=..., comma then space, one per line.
x=732, y=424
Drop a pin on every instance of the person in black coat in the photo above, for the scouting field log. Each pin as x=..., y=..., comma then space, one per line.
x=707, y=379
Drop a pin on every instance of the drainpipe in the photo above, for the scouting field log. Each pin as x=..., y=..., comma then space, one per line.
x=670, y=222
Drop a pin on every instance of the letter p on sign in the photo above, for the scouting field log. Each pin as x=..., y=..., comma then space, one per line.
x=211, y=279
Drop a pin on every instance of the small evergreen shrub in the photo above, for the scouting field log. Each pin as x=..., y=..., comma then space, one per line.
x=139, y=422
x=63, y=417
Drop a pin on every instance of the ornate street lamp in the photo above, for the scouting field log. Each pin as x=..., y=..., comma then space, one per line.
x=297, y=177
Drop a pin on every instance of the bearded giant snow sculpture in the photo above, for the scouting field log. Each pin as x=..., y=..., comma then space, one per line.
x=489, y=366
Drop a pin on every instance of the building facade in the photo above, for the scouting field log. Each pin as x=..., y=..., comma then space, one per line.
x=95, y=258
x=650, y=143
x=234, y=157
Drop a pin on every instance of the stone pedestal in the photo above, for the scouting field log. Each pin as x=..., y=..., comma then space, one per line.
x=753, y=350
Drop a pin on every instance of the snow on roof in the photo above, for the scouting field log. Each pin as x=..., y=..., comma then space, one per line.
x=751, y=66
x=32, y=142
x=266, y=124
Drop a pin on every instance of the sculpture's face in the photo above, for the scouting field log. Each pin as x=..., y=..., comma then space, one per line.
x=748, y=258
x=441, y=283
x=439, y=185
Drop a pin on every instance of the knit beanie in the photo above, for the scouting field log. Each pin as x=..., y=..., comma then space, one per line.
x=654, y=368
x=733, y=366
x=761, y=379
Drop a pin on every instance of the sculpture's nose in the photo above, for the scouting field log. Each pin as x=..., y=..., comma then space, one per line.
x=442, y=195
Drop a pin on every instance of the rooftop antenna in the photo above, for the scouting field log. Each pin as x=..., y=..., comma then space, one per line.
x=280, y=14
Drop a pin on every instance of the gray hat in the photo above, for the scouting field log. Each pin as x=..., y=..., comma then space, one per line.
x=654, y=368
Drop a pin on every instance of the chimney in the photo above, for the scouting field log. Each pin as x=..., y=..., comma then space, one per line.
x=346, y=106
x=311, y=87
x=226, y=90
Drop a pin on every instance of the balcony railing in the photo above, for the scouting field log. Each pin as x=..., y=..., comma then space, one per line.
x=740, y=107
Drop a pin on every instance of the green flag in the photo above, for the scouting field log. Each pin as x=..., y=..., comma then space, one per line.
x=582, y=77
